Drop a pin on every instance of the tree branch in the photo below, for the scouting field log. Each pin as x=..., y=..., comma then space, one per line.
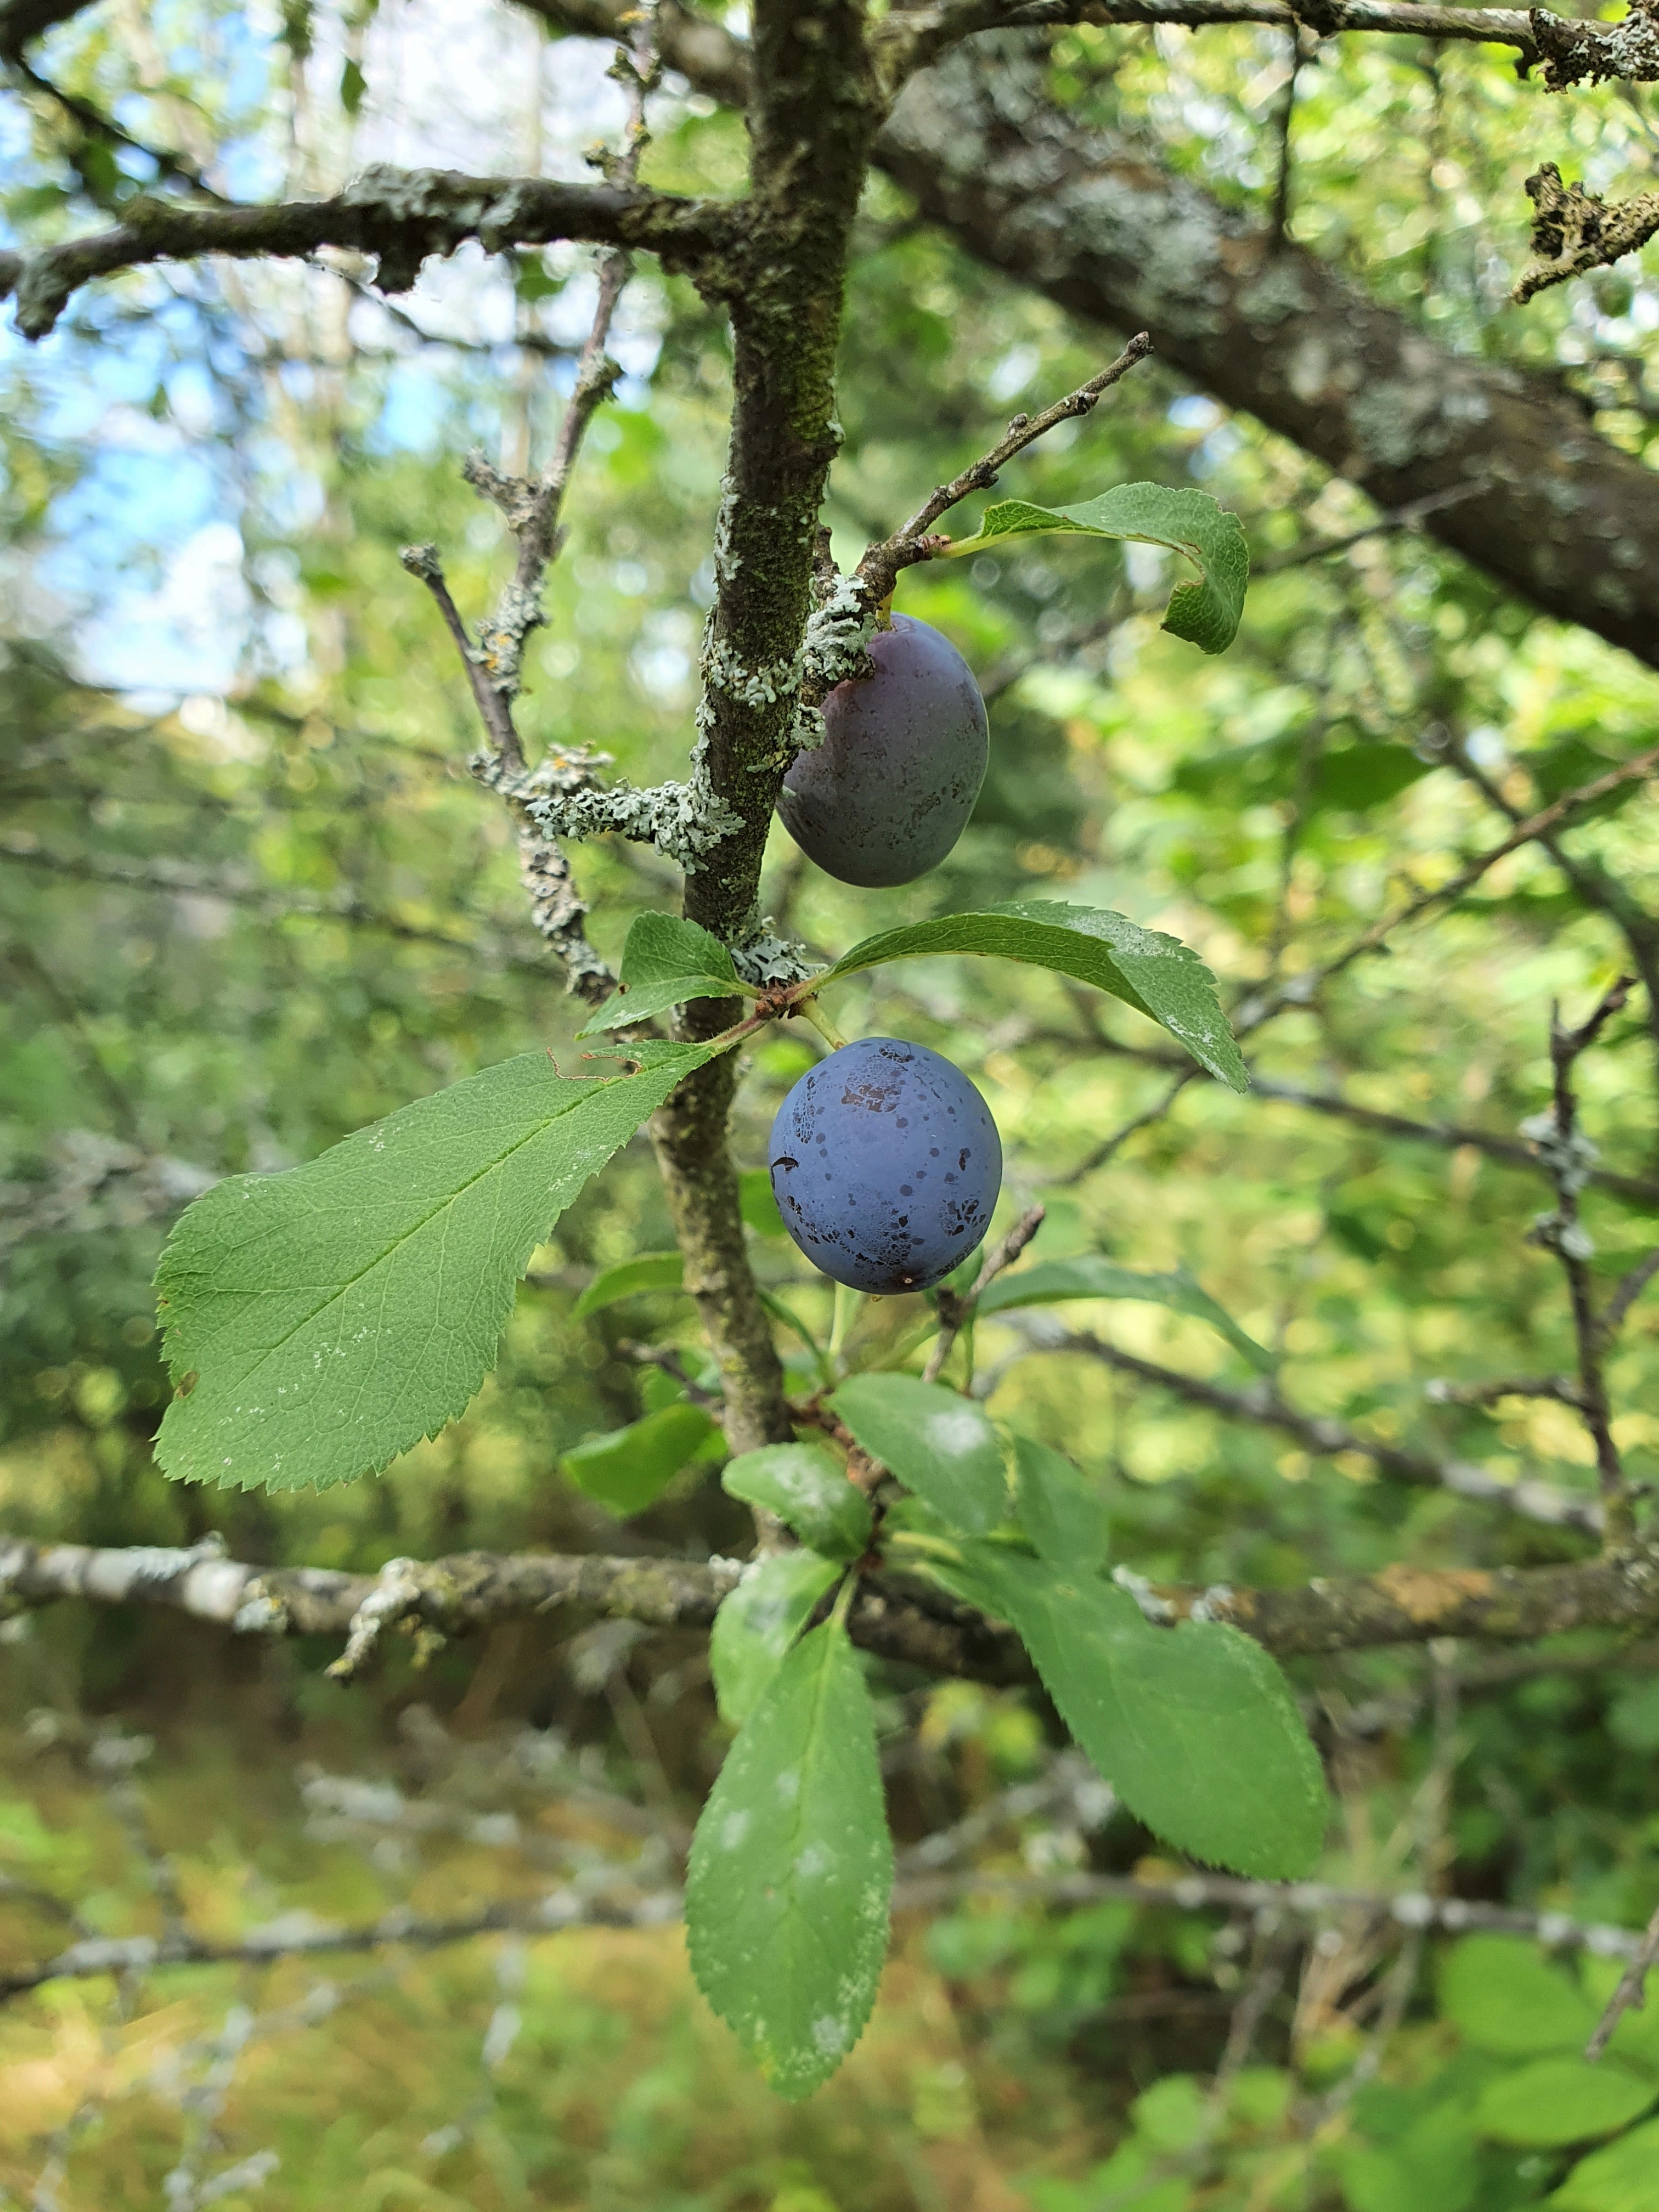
x=1450, y=1136
x=814, y=106
x=456, y=1595
x=1630, y=1994
x=929, y=33
x=956, y=1313
x=20, y=20
x=1266, y=1409
x=1301, y=989
x=399, y=215
x=570, y=1907
x=1093, y=219
x=1566, y=1153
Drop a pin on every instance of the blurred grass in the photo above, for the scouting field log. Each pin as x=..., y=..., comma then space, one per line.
x=619, y=2090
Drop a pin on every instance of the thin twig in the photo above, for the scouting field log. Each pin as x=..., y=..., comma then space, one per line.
x=665, y=1357
x=566, y=1907
x=1265, y=1408
x=916, y=540
x=1566, y=1153
x=1279, y=222
x=956, y=1313
x=1561, y=1387
x=494, y=663
x=1631, y=1993
x=1396, y=518
x=1630, y=1288
x=1109, y=1148
x=1453, y=1136
x=1302, y=989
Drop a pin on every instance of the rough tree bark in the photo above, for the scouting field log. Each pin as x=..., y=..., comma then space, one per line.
x=814, y=108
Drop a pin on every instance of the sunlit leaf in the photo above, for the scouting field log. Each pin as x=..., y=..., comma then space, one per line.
x=1204, y=610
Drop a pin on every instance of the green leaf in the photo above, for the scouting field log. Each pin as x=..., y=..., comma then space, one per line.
x=1503, y=1995
x=757, y=1204
x=647, y=1271
x=1193, y=1727
x=1158, y=975
x=807, y=1488
x=939, y=1445
x=1206, y=613
x=1433, y=2167
x=792, y=1869
x=353, y=85
x=630, y=1468
x=665, y=962
x=1562, y=2100
x=333, y=1316
x=1057, y=1509
x=1621, y=2179
x=1089, y=1275
x=757, y=1623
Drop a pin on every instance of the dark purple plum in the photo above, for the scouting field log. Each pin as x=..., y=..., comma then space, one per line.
x=889, y=792
x=886, y=1164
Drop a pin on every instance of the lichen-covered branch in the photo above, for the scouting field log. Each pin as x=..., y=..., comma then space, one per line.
x=399, y=215
x=813, y=109
x=1573, y=230
x=1094, y=220
x=923, y=35
x=560, y=794
x=895, y=1619
x=627, y=1906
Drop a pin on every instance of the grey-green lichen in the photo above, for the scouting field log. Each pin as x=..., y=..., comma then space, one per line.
x=764, y=957
x=562, y=797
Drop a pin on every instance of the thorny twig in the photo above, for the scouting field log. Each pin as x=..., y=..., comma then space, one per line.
x=956, y=1313
x=1567, y=1154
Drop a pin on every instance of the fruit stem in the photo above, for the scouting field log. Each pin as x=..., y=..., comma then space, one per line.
x=822, y=1023
x=847, y=1302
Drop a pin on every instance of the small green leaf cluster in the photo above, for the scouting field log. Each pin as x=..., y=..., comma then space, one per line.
x=1490, y=2107
x=791, y=1868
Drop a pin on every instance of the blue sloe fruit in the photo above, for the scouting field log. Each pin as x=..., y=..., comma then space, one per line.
x=889, y=792
x=886, y=1164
